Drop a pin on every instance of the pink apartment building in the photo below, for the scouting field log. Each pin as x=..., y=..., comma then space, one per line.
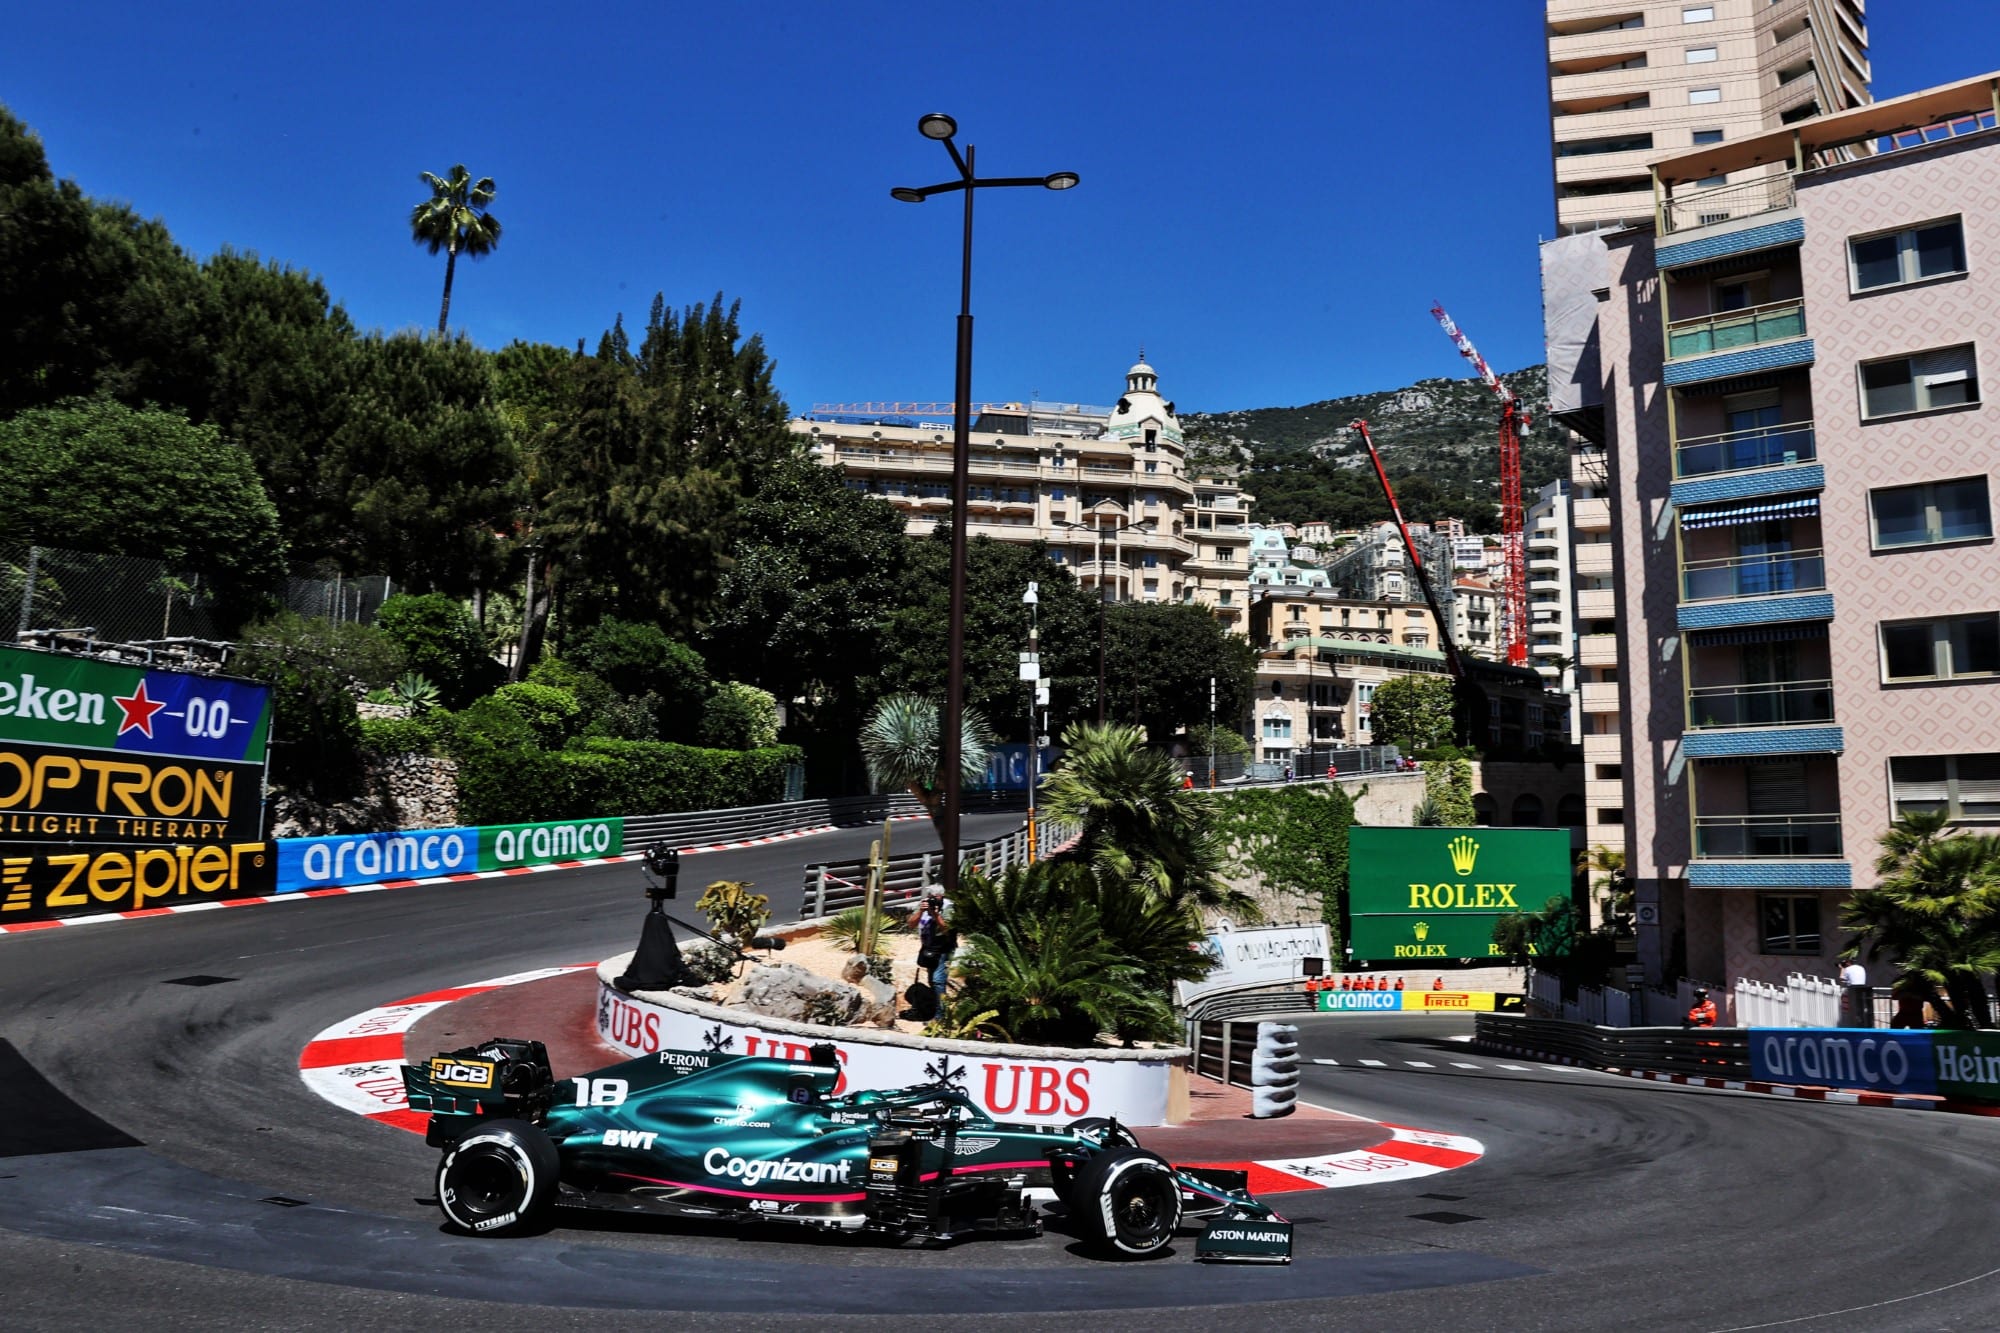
x=1801, y=466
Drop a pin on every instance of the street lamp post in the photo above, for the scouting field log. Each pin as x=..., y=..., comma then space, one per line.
x=943, y=128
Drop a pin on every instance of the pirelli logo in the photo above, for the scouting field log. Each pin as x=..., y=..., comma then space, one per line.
x=462, y=1073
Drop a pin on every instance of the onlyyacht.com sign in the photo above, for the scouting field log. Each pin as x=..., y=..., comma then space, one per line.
x=1261, y=953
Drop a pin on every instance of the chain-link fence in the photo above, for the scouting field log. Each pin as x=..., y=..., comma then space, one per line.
x=88, y=601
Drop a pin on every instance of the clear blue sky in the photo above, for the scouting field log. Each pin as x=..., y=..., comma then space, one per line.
x=1273, y=193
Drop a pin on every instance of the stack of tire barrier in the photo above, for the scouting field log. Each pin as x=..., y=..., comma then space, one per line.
x=1274, y=1071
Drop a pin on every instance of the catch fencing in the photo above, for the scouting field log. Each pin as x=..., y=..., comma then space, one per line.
x=836, y=886
x=1801, y=1002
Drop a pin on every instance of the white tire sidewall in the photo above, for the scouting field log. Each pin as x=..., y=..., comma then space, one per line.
x=1105, y=1191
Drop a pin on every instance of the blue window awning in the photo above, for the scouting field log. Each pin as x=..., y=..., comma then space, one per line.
x=1723, y=516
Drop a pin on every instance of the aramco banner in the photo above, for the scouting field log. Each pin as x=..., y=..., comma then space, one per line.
x=125, y=789
x=1418, y=893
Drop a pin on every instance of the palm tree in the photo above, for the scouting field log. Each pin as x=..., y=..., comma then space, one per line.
x=1606, y=866
x=1936, y=911
x=900, y=744
x=454, y=218
x=1137, y=824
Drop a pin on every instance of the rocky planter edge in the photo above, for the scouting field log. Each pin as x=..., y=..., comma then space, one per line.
x=1031, y=1084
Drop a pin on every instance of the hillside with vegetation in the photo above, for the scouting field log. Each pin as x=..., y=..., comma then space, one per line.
x=1439, y=440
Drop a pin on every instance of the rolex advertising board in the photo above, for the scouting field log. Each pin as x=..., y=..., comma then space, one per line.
x=1436, y=893
x=124, y=788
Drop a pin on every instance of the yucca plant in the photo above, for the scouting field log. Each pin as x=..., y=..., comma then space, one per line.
x=733, y=910
x=848, y=928
x=900, y=743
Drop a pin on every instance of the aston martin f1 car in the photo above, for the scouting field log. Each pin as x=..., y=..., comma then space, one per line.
x=748, y=1138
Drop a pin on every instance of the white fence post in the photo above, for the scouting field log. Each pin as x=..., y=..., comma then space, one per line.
x=819, y=893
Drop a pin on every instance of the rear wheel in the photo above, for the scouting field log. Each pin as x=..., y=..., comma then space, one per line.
x=499, y=1178
x=1127, y=1202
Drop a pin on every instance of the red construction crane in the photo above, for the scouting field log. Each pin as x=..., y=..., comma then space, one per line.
x=1513, y=519
x=1451, y=658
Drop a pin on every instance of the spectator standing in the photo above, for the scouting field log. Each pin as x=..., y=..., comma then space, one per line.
x=1704, y=1013
x=1860, y=996
x=935, y=938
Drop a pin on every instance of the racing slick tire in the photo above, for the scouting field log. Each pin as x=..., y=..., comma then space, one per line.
x=1127, y=1202
x=1061, y=1178
x=499, y=1178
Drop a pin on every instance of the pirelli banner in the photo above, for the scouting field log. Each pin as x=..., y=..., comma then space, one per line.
x=1416, y=893
x=123, y=788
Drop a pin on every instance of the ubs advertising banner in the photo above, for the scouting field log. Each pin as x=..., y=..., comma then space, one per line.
x=123, y=789
x=1894, y=1061
x=1438, y=892
x=504, y=846
x=364, y=858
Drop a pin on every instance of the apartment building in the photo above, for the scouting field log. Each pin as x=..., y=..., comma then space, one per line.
x=1321, y=656
x=1106, y=488
x=1630, y=83
x=1475, y=617
x=1800, y=471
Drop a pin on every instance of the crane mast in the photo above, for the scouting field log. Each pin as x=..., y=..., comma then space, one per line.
x=1513, y=517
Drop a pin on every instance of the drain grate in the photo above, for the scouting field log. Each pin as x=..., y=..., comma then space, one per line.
x=198, y=979
x=1445, y=1219
x=283, y=1201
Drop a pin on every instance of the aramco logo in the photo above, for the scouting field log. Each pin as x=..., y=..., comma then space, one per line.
x=1464, y=851
x=1422, y=930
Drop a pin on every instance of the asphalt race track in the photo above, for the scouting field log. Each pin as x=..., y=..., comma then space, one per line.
x=160, y=1161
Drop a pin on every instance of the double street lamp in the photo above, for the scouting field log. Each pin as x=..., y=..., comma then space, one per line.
x=1143, y=525
x=943, y=128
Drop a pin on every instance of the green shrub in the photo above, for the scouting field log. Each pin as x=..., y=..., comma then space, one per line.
x=709, y=962
x=440, y=641
x=734, y=911
x=504, y=777
x=656, y=777
x=592, y=693
x=553, y=715
x=315, y=732
x=384, y=737
x=739, y=717
x=637, y=659
x=360, y=651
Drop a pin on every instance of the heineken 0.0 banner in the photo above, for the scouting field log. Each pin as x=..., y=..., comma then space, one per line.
x=1416, y=893
x=124, y=789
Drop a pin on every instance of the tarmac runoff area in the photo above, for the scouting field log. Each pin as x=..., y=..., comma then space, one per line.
x=355, y=1065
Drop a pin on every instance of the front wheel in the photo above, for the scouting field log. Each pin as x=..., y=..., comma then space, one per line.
x=1127, y=1202
x=499, y=1178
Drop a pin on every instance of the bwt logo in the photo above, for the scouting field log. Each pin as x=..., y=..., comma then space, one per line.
x=629, y=1138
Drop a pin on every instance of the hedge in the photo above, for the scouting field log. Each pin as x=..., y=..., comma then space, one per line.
x=614, y=777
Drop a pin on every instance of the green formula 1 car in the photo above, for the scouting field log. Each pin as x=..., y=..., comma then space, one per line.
x=747, y=1138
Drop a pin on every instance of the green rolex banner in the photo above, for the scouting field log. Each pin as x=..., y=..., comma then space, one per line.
x=1417, y=893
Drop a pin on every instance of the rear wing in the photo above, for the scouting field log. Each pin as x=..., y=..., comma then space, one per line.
x=502, y=1076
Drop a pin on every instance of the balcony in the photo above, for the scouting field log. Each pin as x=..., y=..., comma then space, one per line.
x=1593, y=559
x=1745, y=450
x=1592, y=515
x=1747, y=837
x=1766, y=704
x=1599, y=696
x=1754, y=326
x=1724, y=203
x=1597, y=603
x=1597, y=650
x=1753, y=575
x=1603, y=747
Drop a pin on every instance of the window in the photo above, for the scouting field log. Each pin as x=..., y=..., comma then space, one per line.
x=1277, y=728
x=1698, y=14
x=1624, y=143
x=1152, y=466
x=1150, y=560
x=1699, y=96
x=1707, y=136
x=1787, y=924
x=1706, y=181
x=1964, y=786
x=1611, y=814
x=1938, y=511
x=1527, y=810
x=1924, y=382
x=1943, y=649
x=1700, y=55
x=1893, y=258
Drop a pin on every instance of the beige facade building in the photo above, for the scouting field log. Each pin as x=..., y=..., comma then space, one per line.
x=1801, y=472
x=1631, y=82
x=1107, y=488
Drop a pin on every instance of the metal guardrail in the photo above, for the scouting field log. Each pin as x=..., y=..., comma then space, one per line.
x=835, y=886
x=1222, y=1050
x=1711, y=1052
x=696, y=827
x=1287, y=998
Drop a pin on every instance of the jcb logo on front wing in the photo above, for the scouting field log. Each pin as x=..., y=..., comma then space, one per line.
x=462, y=1074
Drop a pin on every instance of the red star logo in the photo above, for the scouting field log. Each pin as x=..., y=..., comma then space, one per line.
x=139, y=711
